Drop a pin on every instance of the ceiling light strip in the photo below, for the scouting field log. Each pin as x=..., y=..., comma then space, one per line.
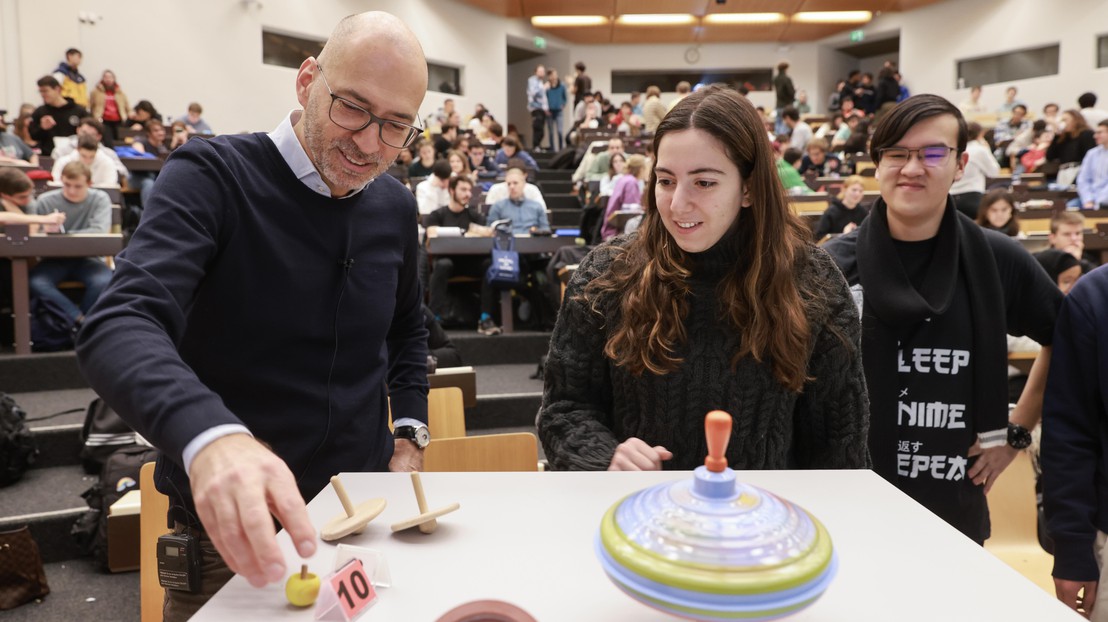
x=547, y=21
x=744, y=18
x=656, y=19
x=833, y=17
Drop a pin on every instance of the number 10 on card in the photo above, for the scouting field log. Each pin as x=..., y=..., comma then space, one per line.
x=346, y=590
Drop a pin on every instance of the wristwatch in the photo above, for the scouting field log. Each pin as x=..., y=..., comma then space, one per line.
x=418, y=434
x=1019, y=437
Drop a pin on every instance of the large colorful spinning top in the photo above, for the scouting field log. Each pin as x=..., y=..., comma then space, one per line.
x=713, y=548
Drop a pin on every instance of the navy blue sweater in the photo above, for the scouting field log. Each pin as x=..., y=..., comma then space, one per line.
x=1075, y=429
x=232, y=304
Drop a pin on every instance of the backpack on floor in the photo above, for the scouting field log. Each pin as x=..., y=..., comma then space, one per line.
x=120, y=475
x=17, y=444
x=51, y=326
x=103, y=433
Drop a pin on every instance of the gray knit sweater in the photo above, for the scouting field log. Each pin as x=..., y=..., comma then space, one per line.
x=590, y=405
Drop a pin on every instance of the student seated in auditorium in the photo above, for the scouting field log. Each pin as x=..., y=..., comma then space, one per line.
x=144, y=111
x=626, y=192
x=599, y=166
x=845, y=212
x=617, y=167
x=1092, y=180
x=509, y=149
x=459, y=164
x=421, y=167
x=12, y=147
x=151, y=142
x=980, y=165
x=89, y=126
x=656, y=328
x=848, y=126
x=441, y=352
x=87, y=210
x=479, y=161
x=799, y=131
x=790, y=177
x=88, y=151
x=1071, y=143
x=455, y=214
x=16, y=191
x=997, y=211
x=1067, y=233
x=1007, y=130
x=444, y=140
x=194, y=123
x=399, y=168
x=432, y=193
x=499, y=191
x=816, y=162
x=527, y=215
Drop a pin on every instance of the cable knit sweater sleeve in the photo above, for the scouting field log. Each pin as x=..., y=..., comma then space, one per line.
x=831, y=419
x=574, y=422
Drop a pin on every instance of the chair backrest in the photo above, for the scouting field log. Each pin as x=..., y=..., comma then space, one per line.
x=152, y=523
x=446, y=417
x=493, y=452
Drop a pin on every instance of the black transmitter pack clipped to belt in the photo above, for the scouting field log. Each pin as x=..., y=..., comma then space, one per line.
x=179, y=562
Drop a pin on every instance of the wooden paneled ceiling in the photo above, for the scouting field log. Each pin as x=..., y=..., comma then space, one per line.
x=699, y=31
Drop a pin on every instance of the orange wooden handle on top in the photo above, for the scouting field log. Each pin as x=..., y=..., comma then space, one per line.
x=717, y=428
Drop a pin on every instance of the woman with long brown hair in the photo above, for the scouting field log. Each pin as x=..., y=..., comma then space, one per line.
x=718, y=301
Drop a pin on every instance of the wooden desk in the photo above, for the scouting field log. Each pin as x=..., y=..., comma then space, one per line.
x=18, y=245
x=483, y=246
x=619, y=219
x=143, y=165
x=528, y=538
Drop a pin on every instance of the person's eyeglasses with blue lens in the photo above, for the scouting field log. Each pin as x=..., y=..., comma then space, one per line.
x=350, y=116
x=931, y=157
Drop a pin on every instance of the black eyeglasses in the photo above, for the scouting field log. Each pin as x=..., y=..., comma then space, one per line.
x=932, y=157
x=350, y=116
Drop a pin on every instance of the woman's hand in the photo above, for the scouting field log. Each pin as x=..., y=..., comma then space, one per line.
x=634, y=454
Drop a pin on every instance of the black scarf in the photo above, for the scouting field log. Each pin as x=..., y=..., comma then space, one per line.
x=893, y=310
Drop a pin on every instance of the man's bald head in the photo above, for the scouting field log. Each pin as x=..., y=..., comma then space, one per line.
x=377, y=32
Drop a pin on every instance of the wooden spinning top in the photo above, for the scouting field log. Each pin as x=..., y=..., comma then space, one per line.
x=426, y=520
x=356, y=518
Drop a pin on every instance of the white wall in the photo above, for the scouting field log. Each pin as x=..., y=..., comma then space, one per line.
x=934, y=38
x=802, y=58
x=173, y=52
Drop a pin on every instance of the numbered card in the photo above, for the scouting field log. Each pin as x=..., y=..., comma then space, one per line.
x=345, y=594
x=376, y=568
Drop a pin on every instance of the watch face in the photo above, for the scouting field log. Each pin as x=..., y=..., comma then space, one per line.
x=422, y=437
x=1018, y=436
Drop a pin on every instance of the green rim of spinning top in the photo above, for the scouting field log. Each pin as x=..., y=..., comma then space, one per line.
x=713, y=579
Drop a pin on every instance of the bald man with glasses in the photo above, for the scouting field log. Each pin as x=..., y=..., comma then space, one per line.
x=268, y=310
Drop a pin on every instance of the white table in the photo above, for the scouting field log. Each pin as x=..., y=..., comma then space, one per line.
x=527, y=538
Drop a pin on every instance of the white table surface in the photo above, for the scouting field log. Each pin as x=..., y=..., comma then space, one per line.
x=527, y=538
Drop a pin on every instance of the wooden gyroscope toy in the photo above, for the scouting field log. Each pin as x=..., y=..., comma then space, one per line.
x=426, y=521
x=355, y=519
x=713, y=548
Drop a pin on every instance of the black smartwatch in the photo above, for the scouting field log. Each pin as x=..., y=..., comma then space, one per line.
x=1019, y=437
x=418, y=434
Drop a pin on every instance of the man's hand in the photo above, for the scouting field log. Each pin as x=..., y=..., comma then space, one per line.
x=237, y=483
x=47, y=122
x=406, y=456
x=990, y=463
x=634, y=454
x=1067, y=593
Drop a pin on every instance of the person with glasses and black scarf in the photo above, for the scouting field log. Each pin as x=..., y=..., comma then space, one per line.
x=268, y=310
x=936, y=293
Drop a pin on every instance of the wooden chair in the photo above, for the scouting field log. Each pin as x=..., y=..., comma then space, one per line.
x=492, y=452
x=1014, y=514
x=152, y=523
x=446, y=417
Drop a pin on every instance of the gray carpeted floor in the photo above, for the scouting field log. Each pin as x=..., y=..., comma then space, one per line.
x=79, y=591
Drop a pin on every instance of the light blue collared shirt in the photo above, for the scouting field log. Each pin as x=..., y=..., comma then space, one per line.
x=284, y=138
